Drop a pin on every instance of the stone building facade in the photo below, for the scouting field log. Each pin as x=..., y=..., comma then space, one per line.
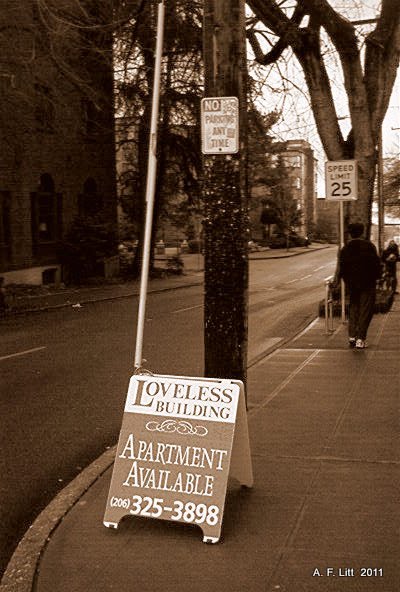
x=299, y=159
x=57, y=140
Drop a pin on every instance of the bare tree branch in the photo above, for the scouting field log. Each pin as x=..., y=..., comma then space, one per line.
x=381, y=61
x=288, y=37
x=368, y=86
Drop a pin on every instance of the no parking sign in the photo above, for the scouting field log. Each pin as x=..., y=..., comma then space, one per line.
x=220, y=125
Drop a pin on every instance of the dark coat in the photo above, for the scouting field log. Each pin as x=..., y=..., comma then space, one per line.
x=390, y=256
x=359, y=264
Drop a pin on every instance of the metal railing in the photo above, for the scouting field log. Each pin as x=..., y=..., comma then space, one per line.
x=329, y=304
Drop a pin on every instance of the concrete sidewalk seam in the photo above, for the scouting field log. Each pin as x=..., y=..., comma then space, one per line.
x=328, y=459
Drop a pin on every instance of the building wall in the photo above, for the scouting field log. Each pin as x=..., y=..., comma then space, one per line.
x=53, y=139
x=299, y=156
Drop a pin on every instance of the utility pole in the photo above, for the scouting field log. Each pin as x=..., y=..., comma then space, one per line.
x=225, y=199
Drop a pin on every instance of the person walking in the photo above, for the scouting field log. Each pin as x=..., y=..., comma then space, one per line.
x=390, y=256
x=359, y=267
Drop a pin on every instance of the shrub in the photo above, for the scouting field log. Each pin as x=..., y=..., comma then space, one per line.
x=85, y=246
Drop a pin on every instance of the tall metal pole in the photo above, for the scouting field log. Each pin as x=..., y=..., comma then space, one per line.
x=381, y=205
x=342, y=285
x=150, y=186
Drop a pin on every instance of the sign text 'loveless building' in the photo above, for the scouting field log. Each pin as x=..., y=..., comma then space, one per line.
x=174, y=451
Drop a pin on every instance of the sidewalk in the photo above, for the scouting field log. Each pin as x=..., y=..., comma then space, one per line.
x=322, y=516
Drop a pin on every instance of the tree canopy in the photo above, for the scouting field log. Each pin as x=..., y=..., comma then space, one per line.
x=312, y=30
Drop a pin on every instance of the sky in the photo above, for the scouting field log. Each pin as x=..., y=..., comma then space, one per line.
x=297, y=120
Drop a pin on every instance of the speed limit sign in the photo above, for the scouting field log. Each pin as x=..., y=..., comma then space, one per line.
x=341, y=180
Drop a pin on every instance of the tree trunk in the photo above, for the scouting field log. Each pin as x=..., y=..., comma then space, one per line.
x=360, y=143
x=360, y=210
x=225, y=199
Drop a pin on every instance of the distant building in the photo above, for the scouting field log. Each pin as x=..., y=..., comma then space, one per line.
x=56, y=141
x=299, y=158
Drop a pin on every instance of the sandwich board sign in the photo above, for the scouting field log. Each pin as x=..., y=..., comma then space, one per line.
x=180, y=439
x=341, y=180
x=220, y=125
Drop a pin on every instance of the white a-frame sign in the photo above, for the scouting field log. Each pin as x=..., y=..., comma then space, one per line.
x=180, y=439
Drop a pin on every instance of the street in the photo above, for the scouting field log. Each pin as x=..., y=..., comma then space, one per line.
x=65, y=373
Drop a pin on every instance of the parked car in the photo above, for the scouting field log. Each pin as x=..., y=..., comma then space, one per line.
x=279, y=241
x=253, y=246
x=300, y=241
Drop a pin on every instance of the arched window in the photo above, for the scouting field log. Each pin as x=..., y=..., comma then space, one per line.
x=46, y=183
x=5, y=228
x=46, y=208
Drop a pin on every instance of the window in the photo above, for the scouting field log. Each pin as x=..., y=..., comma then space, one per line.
x=46, y=217
x=293, y=161
x=89, y=202
x=296, y=182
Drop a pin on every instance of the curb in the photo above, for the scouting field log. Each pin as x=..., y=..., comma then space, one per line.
x=22, y=311
x=290, y=253
x=20, y=572
x=306, y=323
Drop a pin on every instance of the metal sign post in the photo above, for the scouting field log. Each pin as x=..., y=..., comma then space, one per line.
x=342, y=286
x=150, y=186
x=341, y=185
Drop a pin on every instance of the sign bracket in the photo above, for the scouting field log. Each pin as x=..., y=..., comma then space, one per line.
x=341, y=183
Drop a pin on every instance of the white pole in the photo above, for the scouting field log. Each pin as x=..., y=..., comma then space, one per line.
x=342, y=286
x=150, y=186
x=381, y=203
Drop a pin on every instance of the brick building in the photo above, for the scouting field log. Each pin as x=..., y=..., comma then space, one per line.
x=299, y=158
x=56, y=136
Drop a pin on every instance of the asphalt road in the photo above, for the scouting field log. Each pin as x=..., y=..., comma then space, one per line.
x=64, y=374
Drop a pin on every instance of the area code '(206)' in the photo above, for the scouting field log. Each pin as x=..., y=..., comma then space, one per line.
x=153, y=507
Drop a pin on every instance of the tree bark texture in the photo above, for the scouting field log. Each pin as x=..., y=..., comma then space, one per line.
x=225, y=199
